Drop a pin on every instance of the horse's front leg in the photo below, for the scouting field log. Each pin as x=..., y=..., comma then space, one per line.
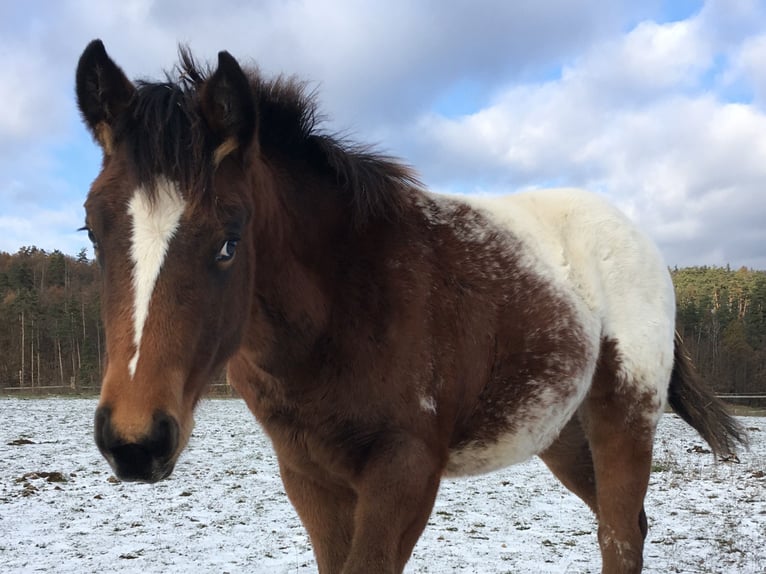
x=326, y=512
x=395, y=495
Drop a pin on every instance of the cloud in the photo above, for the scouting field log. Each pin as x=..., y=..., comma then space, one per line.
x=666, y=118
x=747, y=70
x=28, y=91
x=375, y=62
x=727, y=22
x=650, y=60
x=44, y=228
x=635, y=119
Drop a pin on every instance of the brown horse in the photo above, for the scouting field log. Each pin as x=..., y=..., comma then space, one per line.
x=384, y=337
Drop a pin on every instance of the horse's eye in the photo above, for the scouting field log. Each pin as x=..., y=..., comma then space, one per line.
x=91, y=236
x=227, y=251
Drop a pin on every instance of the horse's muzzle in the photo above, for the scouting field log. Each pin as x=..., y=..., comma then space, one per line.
x=148, y=460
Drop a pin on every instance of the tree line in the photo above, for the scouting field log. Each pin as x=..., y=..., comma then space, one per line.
x=722, y=318
x=51, y=334
x=50, y=329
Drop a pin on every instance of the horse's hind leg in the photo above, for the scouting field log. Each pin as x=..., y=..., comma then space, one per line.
x=619, y=418
x=569, y=459
x=622, y=463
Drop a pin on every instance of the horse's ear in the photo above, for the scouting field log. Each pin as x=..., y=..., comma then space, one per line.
x=103, y=93
x=228, y=107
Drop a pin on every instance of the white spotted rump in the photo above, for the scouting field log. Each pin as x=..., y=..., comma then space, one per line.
x=154, y=223
x=617, y=288
x=617, y=273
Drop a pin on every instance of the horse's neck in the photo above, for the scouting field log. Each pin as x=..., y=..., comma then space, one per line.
x=294, y=248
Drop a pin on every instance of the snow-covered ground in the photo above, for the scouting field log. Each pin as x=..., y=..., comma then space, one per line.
x=224, y=510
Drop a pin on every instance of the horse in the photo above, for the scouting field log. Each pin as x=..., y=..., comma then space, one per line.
x=384, y=337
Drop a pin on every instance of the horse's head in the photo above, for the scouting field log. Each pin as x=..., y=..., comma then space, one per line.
x=169, y=217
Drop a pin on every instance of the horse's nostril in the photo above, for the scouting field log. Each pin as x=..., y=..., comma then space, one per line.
x=163, y=440
x=102, y=430
x=148, y=459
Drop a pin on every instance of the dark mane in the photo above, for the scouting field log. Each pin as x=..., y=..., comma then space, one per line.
x=165, y=135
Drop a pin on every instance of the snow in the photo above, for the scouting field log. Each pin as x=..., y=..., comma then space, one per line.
x=224, y=509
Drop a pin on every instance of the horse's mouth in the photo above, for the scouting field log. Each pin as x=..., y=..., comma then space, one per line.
x=133, y=467
x=150, y=458
x=151, y=478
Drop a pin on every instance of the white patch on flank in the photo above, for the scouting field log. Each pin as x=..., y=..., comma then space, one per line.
x=536, y=426
x=154, y=225
x=428, y=405
x=617, y=273
x=613, y=276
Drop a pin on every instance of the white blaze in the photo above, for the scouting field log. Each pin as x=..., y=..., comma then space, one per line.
x=154, y=225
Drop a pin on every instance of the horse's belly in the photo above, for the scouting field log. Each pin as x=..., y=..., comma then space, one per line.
x=527, y=429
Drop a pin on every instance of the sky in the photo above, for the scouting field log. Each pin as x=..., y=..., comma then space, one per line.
x=658, y=105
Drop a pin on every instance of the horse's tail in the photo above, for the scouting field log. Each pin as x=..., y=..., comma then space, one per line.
x=695, y=403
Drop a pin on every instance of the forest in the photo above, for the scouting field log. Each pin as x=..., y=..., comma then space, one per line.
x=51, y=335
